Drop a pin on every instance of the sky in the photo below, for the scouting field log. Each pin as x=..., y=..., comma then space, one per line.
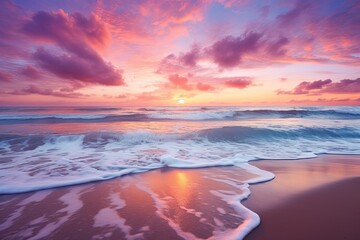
x=165, y=53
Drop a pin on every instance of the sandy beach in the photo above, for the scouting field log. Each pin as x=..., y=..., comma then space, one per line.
x=308, y=199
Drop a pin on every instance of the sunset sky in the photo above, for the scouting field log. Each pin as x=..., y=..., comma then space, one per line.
x=144, y=52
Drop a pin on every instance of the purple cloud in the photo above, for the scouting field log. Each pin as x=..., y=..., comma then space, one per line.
x=325, y=86
x=190, y=58
x=71, y=31
x=77, y=68
x=290, y=17
x=80, y=38
x=344, y=86
x=276, y=49
x=228, y=51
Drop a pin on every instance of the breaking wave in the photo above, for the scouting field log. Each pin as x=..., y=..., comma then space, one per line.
x=170, y=115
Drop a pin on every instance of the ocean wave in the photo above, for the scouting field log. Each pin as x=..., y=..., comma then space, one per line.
x=242, y=134
x=221, y=134
x=177, y=109
x=200, y=115
x=70, y=118
x=255, y=114
x=65, y=159
x=90, y=109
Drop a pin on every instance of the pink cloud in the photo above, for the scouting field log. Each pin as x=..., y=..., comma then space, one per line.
x=238, y=83
x=32, y=89
x=173, y=12
x=184, y=83
x=30, y=72
x=325, y=86
x=326, y=101
x=144, y=21
x=5, y=77
x=344, y=86
x=180, y=82
x=204, y=87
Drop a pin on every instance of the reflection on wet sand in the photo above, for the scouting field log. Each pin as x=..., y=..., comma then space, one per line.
x=166, y=203
x=161, y=204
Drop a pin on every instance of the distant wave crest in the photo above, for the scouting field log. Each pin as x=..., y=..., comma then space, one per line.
x=169, y=115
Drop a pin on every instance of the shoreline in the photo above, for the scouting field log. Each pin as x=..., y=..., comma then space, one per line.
x=250, y=162
x=167, y=203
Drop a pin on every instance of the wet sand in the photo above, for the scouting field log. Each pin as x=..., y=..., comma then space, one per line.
x=309, y=199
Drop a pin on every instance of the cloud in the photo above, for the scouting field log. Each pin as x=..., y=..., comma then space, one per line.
x=180, y=82
x=173, y=12
x=204, y=87
x=328, y=36
x=325, y=86
x=228, y=51
x=147, y=20
x=276, y=49
x=302, y=34
x=251, y=49
x=12, y=44
x=344, y=86
x=32, y=89
x=292, y=16
x=153, y=96
x=80, y=38
x=77, y=68
x=183, y=83
x=184, y=63
x=238, y=83
x=30, y=72
x=190, y=58
x=5, y=77
x=326, y=101
x=73, y=31
x=173, y=64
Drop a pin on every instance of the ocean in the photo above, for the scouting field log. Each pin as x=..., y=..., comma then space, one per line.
x=47, y=147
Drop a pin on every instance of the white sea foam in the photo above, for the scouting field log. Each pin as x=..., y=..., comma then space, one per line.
x=161, y=205
x=108, y=217
x=72, y=204
x=73, y=159
x=221, y=115
x=44, y=116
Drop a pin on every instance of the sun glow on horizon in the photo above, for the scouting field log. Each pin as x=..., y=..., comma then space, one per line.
x=181, y=101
